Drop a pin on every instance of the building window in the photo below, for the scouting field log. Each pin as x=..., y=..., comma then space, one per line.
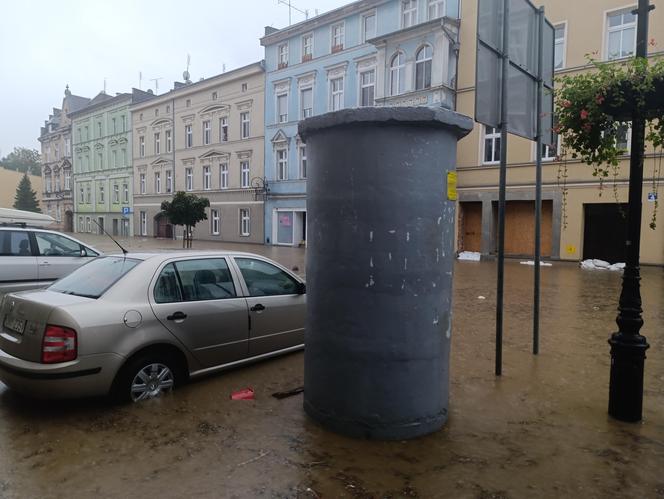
x=282, y=108
x=57, y=152
x=169, y=181
x=306, y=102
x=157, y=182
x=144, y=223
x=99, y=134
x=244, y=174
x=87, y=194
x=367, y=88
x=48, y=182
x=223, y=176
x=157, y=144
x=223, y=129
x=67, y=146
x=141, y=146
x=58, y=212
x=244, y=222
x=81, y=226
x=436, y=9
x=100, y=161
x=115, y=130
x=168, y=109
x=188, y=136
x=423, y=68
x=244, y=87
x=559, y=50
x=189, y=179
x=169, y=141
x=283, y=55
x=336, y=94
x=116, y=193
x=123, y=120
x=125, y=193
x=303, y=161
x=81, y=195
x=214, y=222
x=624, y=137
x=207, y=178
x=368, y=26
x=67, y=180
x=101, y=193
x=87, y=133
x=141, y=183
x=307, y=47
x=408, y=13
x=397, y=80
x=550, y=152
x=244, y=125
x=338, y=37
x=115, y=159
x=124, y=157
x=207, y=131
x=187, y=103
x=88, y=222
x=491, y=145
x=214, y=95
x=282, y=164
x=156, y=112
x=621, y=34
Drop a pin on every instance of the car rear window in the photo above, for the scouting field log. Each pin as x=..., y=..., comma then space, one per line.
x=93, y=279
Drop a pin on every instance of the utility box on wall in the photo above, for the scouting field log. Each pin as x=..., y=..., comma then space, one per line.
x=379, y=268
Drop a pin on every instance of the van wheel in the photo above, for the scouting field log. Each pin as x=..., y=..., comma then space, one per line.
x=147, y=376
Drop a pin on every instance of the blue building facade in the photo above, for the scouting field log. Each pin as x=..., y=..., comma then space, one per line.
x=367, y=53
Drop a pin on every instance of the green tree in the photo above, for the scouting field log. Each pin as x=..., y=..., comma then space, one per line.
x=26, y=198
x=185, y=209
x=23, y=160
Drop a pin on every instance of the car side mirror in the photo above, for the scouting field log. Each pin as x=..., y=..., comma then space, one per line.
x=301, y=288
x=83, y=251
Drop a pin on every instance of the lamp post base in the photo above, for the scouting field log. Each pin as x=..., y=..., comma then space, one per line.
x=628, y=354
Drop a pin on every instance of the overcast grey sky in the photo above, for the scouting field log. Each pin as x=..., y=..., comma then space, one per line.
x=46, y=44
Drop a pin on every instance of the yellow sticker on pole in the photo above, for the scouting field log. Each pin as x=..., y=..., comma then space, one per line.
x=452, y=186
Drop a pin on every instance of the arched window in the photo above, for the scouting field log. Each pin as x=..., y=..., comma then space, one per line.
x=423, y=68
x=397, y=66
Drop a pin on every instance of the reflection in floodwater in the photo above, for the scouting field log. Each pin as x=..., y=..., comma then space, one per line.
x=541, y=430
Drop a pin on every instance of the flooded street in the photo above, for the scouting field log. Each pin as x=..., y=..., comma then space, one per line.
x=541, y=430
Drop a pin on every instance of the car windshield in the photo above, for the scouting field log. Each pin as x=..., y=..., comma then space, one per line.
x=93, y=279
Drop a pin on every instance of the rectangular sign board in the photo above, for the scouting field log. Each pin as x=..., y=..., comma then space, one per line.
x=523, y=24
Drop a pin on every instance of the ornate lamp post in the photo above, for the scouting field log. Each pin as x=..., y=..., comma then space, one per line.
x=628, y=347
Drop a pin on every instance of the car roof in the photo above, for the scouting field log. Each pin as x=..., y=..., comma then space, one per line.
x=166, y=255
x=49, y=231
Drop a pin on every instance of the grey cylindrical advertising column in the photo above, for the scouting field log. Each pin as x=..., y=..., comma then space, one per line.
x=380, y=237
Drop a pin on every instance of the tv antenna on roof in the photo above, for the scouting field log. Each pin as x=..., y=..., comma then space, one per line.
x=156, y=84
x=186, y=74
x=291, y=8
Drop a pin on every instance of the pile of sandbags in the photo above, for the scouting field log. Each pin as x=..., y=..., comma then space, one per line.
x=594, y=264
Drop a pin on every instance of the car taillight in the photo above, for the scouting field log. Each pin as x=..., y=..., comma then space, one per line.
x=59, y=345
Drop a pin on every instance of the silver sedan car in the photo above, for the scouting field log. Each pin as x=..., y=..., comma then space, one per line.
x=139, y=325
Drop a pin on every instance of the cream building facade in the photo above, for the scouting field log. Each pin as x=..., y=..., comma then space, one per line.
x=580, y=221
x=205, y=138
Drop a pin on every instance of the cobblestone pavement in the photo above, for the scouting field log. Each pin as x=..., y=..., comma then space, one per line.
x=541, y=430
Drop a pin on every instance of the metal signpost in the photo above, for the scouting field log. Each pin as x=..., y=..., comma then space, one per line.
x=514, y=92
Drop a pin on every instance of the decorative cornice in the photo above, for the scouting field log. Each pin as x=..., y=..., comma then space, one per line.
x=306, y=79
x=243, y=105
x=244, y=154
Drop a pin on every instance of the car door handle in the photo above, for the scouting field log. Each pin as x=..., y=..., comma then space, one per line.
x=257, y=308
x=177, y=316
x=43, y=264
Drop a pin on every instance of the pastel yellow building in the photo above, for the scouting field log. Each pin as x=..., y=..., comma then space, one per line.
x=586, y=222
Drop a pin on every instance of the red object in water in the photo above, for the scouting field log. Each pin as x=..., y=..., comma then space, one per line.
x=245, y=394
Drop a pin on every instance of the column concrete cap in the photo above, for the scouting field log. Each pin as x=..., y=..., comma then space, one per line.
x=429, y=117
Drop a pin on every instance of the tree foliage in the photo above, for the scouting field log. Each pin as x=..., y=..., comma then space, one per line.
x=26, y=198
x=23, y=160
x=185, y=209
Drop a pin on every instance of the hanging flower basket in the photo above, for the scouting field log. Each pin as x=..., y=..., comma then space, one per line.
x=594, y=110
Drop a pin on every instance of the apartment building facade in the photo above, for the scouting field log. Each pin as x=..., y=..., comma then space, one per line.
x=580, y=221
x=103, y=164
x=367, y=53
x=57, y=164
x=205, y=138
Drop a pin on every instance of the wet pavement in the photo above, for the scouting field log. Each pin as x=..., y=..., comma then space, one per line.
x=541, y=430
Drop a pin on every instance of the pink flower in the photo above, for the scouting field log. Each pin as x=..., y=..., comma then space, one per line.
x=584, y=114
x=556, y=129
x=599, y=99
x=567, y=103
x=652, y=42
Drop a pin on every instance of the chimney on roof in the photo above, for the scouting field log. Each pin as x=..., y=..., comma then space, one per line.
x=269, y=30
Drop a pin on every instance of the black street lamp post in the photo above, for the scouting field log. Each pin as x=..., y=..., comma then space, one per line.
x=628, y=347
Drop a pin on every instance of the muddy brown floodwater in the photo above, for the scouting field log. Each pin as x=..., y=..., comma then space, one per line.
x=541, y=430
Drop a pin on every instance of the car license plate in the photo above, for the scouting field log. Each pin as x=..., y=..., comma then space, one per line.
x=14, y=324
